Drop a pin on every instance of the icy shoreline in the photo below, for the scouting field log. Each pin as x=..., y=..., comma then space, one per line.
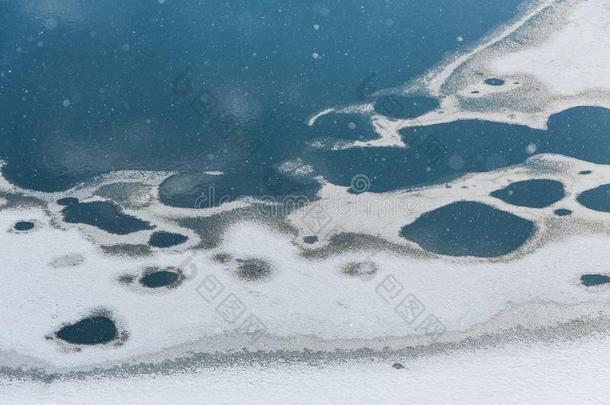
x=541, y=75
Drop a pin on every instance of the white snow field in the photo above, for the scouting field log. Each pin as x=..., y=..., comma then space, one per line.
x=567, y=373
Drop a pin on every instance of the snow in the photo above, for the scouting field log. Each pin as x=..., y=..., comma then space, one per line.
x=582, y=66
x=540, y=373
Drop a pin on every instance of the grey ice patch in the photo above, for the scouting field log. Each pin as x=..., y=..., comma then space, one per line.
x=365, y=270
x=222, y=258
x=153, y=279
x=72, y=260
x=127, y=250
x=127, y=194
x=253, y=269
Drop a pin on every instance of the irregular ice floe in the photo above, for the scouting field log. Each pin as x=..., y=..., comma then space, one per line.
x=535, y=58
x=553, y=57
x=571, y=60
x=385, y=214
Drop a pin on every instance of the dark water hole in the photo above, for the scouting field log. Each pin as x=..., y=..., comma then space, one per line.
x=537, y=193
x=163, y=239
x=162, y=278
x=590, y=280
x=105, y=216
x=310, y=239
x=67, y=201
x=23, y=226
x=468, y=228
x=494, y=82
x=597, y=199
x=89, y=331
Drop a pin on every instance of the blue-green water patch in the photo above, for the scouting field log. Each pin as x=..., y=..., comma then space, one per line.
x=104, y=215
x=469, y=228
x=23, y=226
x=494, y=82
x=597, y=199
x=440, y=153
x=67, y=201
x=562, y=212
x=161, y=278
x=310, y=239
x=163, y=239
x=85, y=99
x=591, y=280
x=336, y=127
x=535, y=193
x=89, y=331
x=403, y=107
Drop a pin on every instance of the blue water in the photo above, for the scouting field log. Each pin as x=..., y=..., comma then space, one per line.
x=89, y=331
x=102, y=214
x=446, y=151
x=163, y=239
x=161, y=278
x=591, y=280
x=23, y=226
x=229, y=85
x=537, y=193
x=395, y=106
x=101, y=86
x=597, y=199
x=494, y=82
x=468, y=228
